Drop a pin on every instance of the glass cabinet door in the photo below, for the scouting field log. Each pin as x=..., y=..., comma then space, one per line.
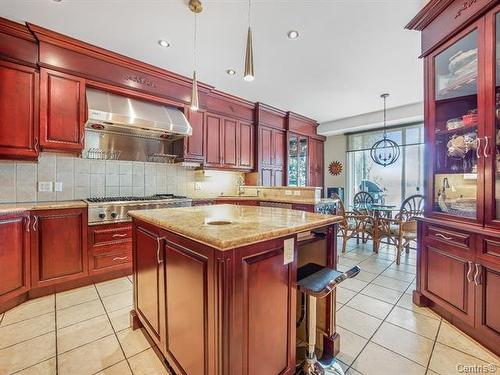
x=302, y=170
x=496, y=136
x=293, y=160
x=455, y=120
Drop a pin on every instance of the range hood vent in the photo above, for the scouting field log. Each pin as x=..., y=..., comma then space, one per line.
x=123, y=128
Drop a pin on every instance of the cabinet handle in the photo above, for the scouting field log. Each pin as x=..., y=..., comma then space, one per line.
x=28, y=220
x=36, y=144
x=35, y=223
x=469, y=271
x=82, y=137
x=119, y=235
x=120, y=258
x=158, y=241
x=476, y=275
x=440, y=235
x=485, y=149
x=478, y=154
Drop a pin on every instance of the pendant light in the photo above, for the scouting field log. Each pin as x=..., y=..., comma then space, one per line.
x=386, y=151
x=249, y=73
x=196, y=7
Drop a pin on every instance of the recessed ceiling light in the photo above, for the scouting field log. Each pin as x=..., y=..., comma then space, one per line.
x=164, y=43
x=57, y=1
x=231, y=72
x=293, y=34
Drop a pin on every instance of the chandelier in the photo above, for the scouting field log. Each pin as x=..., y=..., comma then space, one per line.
x=386, y=151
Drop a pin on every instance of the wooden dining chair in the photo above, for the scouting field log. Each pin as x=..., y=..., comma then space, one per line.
x=353, y=224
x=362, y=201
x=401, y=230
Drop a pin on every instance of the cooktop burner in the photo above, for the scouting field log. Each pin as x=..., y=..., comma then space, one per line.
x=132, y=198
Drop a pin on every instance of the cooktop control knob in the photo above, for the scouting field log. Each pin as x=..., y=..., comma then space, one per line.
x=102, y=215
x=114, y=215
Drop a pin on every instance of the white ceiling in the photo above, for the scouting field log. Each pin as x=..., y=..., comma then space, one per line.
x=349, y=51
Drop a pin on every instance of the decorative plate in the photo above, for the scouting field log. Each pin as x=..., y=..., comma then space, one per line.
x=335, y=168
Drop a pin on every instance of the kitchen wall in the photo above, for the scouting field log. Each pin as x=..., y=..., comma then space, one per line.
x=82, y=178
x=335, y=150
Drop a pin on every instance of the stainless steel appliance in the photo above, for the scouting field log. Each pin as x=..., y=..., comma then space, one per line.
x=124, y=128
x=114, y=209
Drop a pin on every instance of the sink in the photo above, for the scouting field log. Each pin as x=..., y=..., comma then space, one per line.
x=219, y=222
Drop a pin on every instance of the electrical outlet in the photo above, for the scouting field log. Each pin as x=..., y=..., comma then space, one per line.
x=58, y=186
x=45, y=186
x=197, y=186
x=289, y=250
x=296, y=192
x=288, y=192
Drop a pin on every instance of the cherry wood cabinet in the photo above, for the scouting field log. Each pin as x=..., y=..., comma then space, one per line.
x=272, y=146
x=109, y=247
x=228, y=143
x=316, y=162
x=18, y=111
x=14, y=256
x=58, y=246
x=62, y=111
x=149, y=284
x=192, y=148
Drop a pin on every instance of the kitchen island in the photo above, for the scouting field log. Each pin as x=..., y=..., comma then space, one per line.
x=215, y=286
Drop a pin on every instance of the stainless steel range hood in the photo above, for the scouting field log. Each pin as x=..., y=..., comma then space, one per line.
x=124, y=128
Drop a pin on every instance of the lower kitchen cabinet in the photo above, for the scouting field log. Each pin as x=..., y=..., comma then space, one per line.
x=149, y=284
x=459, y=273
x=14, y=256
x=110, y=247
x=58, y=246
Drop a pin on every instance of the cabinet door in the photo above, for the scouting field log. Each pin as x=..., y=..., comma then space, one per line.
x=279, y=149
x=59, y=246
x=18, y=111
x=246, y=146
x=492, y=134
x=447, y=279
x=312, y=163
x=456, y=119
x=149, y=283
x=62, y=111
x=213, y=140
x=229, y=143
x=194, y=143
x=267, y=176
x=266, y=146
x=279, y=178
x=14, y=256
x=487, y=281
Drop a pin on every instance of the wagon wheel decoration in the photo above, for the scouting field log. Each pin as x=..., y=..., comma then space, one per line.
x=335, y=168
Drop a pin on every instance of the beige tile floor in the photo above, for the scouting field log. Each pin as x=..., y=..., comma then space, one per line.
x=86, y=331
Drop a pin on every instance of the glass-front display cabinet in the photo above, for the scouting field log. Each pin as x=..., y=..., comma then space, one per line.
x=297, y=160
x=463, y=130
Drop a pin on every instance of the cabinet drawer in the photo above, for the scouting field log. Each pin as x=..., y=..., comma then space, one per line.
x=435, y=234
x=489, y=249
x=111, y=260
x=110, y=234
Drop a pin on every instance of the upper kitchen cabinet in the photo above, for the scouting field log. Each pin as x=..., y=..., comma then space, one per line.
x=191, y=149
x=18, y=111
x=271, y=145
x=228, y=143
x=62, y=111
x=316, y=161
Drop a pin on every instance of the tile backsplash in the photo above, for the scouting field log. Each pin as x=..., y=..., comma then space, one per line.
x=83, y=178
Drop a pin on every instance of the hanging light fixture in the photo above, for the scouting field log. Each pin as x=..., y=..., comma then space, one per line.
x=196, y=7
x=386, y=151
x=249, y=73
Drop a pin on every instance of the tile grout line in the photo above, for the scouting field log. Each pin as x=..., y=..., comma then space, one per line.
x=113, y=329
x=433, y=346
x=55, y=327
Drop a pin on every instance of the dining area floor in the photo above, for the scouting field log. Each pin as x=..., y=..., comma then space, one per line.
x=86, y=331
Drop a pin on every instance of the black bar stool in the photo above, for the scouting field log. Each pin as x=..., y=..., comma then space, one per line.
x=317, y=281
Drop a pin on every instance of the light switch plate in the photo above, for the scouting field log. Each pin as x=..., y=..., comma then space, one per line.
x=296, y=192
x=288, y=192
x=288, y=253
x=197, y=186
x=58, y=186
x=45, y=186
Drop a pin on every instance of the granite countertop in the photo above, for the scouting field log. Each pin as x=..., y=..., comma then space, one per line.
x=11, y=208
x=248, y=224
x=291, y=199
